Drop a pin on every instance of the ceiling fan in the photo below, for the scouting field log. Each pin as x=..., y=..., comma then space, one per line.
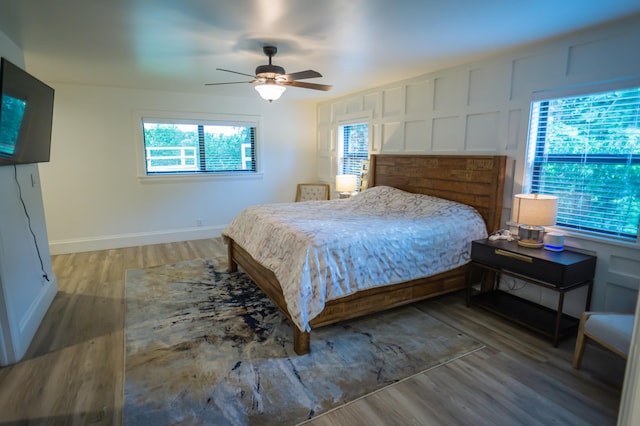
x=271, y=80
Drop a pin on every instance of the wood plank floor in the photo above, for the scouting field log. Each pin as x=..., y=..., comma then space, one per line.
x=73, y=372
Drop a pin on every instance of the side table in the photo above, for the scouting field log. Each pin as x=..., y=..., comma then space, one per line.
x=557, y=271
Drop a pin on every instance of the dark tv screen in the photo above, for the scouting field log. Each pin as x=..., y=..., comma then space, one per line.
x=26, y=113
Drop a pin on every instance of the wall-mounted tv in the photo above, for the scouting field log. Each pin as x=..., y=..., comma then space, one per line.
x=26, y=114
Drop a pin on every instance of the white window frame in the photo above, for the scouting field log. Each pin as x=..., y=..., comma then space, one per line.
x=139, y=117
x=582, y=90
x=348, y=121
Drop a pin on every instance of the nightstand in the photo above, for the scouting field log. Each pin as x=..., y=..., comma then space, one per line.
x=557, y=271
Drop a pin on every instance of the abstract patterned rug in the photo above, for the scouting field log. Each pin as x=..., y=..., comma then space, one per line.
x=207, y=347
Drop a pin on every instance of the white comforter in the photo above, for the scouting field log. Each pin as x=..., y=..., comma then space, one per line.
x=324, y=250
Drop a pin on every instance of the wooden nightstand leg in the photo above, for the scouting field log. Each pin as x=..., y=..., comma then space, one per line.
x=589, y=292
x=475, y=272
x=469, y=283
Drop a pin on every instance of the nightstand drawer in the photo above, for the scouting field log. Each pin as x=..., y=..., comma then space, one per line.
x=559, y=269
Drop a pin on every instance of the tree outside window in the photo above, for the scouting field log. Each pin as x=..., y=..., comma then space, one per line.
x=354, y=148
x=586, y=150
x=198, y=148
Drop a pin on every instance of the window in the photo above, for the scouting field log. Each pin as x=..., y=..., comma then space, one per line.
x=354, y=148
x=586, y=150
x=181, y=146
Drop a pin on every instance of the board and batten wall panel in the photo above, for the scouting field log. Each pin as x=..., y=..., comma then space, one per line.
x=483, y=108
x=415, y=136
x=482, y=131
x=416, y=99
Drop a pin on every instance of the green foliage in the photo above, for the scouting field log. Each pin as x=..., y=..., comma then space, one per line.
x=356, y=138
x=210, y=148
x=224, y=151
x=604, y=123
x=589, y=155
x=355, y=149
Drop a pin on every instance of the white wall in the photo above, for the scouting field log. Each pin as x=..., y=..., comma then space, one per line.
x=25, y=295
x=483, y=108
x=92, y=194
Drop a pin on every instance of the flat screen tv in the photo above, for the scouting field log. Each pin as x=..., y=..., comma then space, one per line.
x=26, y=115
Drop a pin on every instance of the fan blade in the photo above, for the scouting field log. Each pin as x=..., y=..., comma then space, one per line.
x=231, y=82
x=236, y=72
x=301, y=75
x=307, y=85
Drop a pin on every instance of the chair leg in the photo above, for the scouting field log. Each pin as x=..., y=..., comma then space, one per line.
x=580, y=341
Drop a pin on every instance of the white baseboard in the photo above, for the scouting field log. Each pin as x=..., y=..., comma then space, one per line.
x=131, y=240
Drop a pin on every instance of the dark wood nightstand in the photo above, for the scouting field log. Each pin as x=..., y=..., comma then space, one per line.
x=558, y=271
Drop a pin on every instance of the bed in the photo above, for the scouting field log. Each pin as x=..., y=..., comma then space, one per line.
x=472, y=185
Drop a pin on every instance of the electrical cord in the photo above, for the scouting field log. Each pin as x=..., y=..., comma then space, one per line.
x=513, y=285
x=24, y=206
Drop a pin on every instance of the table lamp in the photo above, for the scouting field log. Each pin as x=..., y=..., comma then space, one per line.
x=345, y=185
x=533, y=212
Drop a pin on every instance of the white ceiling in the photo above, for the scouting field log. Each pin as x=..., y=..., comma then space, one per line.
x=177, y=45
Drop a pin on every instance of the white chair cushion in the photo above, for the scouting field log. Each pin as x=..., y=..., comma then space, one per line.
x=614, y=329
x=313, y=193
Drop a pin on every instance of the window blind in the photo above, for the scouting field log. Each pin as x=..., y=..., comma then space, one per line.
x=586, y=150
x=187, y=146
x=355, y=148
x=229, y=149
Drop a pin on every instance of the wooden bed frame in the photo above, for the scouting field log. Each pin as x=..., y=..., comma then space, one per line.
x=474, y=180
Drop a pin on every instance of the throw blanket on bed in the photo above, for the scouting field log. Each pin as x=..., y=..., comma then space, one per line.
x=324, y=250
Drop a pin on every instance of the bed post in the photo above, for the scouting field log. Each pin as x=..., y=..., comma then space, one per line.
x=301, y=343
x=233, y=266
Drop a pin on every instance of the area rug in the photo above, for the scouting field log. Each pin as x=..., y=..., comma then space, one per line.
x=204, y=346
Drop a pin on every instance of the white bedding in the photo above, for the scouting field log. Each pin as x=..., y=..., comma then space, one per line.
x=324, y=250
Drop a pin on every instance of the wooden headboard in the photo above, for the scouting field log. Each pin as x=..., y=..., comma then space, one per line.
x=476, y=180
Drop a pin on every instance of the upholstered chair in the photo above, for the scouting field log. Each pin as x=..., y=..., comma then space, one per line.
x=609, y=329
x=312, y=191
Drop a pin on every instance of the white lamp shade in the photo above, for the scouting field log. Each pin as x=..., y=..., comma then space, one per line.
x=270, y=91
x=345, y=183
x=535, y=209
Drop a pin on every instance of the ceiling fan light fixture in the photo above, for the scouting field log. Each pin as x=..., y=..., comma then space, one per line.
x=270, y=80
x=270, y=91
